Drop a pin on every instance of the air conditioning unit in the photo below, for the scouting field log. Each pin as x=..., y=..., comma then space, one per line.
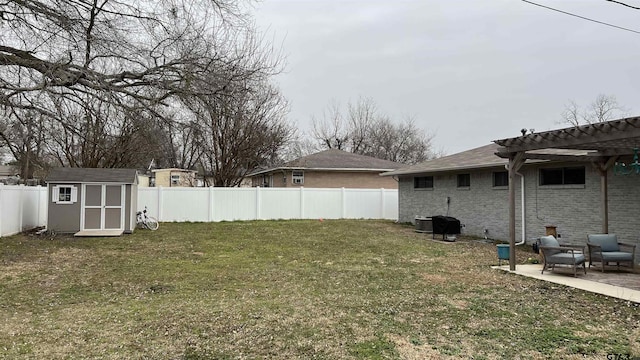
x=424, y=225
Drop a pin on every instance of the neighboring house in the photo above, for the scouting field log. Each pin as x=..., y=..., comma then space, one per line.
x=329, y=169
x=144, y=180
x=8, y=174
x=559, y=183
x=174, y=178
x=92, y=202
x=7, y=171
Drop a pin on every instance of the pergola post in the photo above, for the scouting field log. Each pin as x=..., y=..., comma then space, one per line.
x=515, y=162
x=603, y=169
x=604, y=196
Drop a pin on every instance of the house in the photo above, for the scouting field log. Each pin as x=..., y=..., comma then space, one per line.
x=563, y=178
x=174, y=177
x=7, y=171
x=144, y=180
x=329, y=169
x=471, y=186
x=92, y=202
x=9, y=174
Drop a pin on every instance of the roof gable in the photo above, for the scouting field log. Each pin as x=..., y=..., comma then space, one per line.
x=81, y=175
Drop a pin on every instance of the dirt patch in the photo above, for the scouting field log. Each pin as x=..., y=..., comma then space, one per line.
x=435, y=279
x=414, y=350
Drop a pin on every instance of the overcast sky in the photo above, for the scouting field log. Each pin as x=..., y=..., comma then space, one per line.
x=468, y=71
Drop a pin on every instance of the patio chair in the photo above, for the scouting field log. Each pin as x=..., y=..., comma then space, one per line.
x=566, y=255
x=605, y=249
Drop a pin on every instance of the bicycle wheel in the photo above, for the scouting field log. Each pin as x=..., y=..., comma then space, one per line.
x=152, y=223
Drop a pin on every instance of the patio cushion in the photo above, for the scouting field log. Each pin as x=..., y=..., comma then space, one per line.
x=549, y=241
x=617, y=256
x=567, y=258
x=607, y=242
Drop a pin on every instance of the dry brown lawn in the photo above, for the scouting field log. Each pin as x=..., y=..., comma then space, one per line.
x=335, y=289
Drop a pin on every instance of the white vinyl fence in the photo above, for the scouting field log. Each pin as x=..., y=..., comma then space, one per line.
x=22, y=208
x=228, y=204
x=25, y=207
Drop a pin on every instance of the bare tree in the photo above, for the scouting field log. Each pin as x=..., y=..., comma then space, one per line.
x=603, y=108
x=106, y=79
x=102, y=135
x=22, y=133
x=331, y=130
x=362, y=119
x=141, y=50
x=299, y=146
x=403, y=142
x=367, y=132
x=239, y=133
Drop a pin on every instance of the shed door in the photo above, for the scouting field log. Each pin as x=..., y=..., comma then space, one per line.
x=103, y=207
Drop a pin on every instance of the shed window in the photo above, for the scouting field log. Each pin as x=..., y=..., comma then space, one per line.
x=64, y=194
x=562, y=176
x=297, y=177
x=423, y=182
x=464, y=180
x=500, y=178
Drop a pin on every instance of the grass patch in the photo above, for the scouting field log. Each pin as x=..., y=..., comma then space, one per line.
x=291, y=290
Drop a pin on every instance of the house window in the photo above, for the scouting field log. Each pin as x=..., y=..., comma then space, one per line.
x=464, y=180
x=64, y=194
x=500, y=178
x=175, y=179
x=423, y=182
x=563, y=176
x=297, y=177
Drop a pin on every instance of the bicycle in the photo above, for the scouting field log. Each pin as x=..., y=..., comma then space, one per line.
x=143, y=221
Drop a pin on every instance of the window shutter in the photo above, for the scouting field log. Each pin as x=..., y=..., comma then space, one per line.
x=55, y=192
x=74, y=194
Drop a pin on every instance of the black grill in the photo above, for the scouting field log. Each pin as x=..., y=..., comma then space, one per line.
x=445, y=225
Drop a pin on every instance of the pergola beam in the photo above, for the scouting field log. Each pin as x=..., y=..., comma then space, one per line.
x=598, y=136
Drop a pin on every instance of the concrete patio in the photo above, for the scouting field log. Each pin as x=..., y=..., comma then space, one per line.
x=621, y=284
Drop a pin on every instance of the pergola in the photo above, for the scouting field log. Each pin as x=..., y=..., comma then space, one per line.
x=601, y=144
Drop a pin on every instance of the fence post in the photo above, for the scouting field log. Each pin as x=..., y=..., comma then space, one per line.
x=258, y=203
x=382, y=203
x=21, y=208
x=2, y=206
x=211, y=207
x=160, y=203
x=301, y=202
x=343, y=205
x=38, y=205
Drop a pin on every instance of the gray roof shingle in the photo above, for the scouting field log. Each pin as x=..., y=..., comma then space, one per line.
x=482, y=157
x=334, y=159
x=479, y=158
x=80, y=175
x=338, y=159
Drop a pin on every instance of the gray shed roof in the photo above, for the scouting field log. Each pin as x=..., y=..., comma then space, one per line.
x=334, y=159
x=81, y=175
